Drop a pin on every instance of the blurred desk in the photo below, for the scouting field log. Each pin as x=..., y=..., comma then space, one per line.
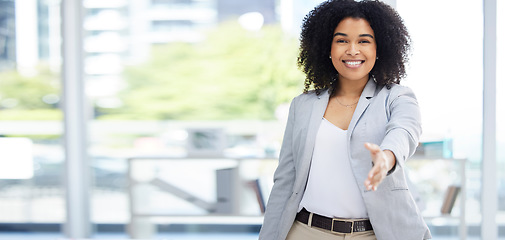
x=431, y=178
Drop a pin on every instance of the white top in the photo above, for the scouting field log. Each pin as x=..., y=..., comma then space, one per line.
x=332, y=190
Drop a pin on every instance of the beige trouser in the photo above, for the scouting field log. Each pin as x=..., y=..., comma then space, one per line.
x=301, y=231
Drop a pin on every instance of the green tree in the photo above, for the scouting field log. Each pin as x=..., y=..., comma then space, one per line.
x=234, y=74
x=29, y=97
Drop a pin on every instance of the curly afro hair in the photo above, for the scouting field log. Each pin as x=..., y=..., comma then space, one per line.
x=391, y=36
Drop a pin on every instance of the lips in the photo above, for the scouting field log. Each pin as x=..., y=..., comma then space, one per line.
x=353, y=63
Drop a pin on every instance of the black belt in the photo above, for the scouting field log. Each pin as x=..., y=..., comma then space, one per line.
x=334, y=225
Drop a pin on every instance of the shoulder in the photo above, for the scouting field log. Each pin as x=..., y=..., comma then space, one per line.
x=394, y=91
x=310, y=95
x=399, y=90
x=306, y=100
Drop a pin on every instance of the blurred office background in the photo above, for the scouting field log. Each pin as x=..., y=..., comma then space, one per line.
x=162, y=117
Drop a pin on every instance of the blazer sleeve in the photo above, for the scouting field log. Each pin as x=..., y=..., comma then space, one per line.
x=284, y=178
x=404, y=125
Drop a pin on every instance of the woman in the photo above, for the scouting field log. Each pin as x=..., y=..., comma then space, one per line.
x=341, y=167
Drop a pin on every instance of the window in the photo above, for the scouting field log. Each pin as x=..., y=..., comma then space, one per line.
x=446, y=74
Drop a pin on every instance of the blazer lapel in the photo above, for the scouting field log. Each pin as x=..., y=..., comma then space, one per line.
x=318, y=109
x=364, y=101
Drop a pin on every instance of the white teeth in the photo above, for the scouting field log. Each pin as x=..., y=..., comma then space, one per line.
x=354, y=63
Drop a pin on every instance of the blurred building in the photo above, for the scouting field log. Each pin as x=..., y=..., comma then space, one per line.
x=232, y=9
x=29, y=32
x=106, y=30
x=163, y=21
x=7, y=34
x=114, y=30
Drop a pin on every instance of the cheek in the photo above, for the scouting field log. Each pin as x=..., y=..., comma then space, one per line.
x=336, y=51
x=372, y=62
x=372, y=59
x=374, y=52
x=336, y=56
x=337, y=64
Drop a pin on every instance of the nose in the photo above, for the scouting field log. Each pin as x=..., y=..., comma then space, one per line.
x=352, y=50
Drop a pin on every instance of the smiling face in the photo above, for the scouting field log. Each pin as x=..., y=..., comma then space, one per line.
x=353, y=50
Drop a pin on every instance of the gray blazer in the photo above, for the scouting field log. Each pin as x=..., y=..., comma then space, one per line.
x=387, y=117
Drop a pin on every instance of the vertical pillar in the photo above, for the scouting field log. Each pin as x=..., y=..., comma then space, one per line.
x=489, y=197
x=75, y=123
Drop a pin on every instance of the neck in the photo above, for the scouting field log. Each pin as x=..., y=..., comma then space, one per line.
x=351, y=88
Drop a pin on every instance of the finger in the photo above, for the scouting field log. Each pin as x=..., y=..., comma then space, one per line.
x=375, y=171
x=368, y=185
x=370, y=181
x=378, y=178
x=374, y=183
x=375, y=177
x=373, y=148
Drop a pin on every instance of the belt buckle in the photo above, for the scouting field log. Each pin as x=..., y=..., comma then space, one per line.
x=333, y=221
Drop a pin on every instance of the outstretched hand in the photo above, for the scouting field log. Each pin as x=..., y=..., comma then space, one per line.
x=383, y=161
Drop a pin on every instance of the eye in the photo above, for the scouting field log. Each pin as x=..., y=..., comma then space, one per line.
x=364, y=41
x=340, y=41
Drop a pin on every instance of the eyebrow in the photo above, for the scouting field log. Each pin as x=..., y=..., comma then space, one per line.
x=345, y=35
